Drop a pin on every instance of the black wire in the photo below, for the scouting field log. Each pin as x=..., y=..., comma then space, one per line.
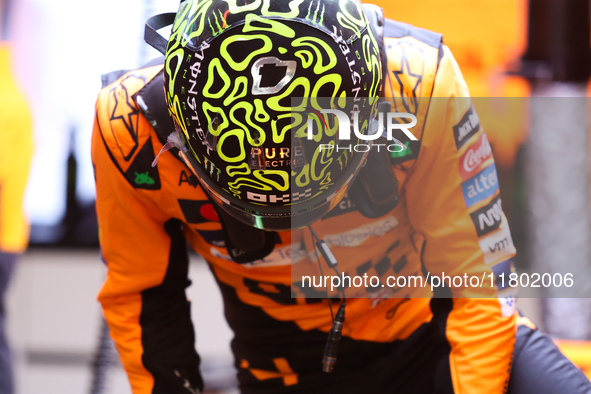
x=334, y=267
x=334, y=335
x=322, y=273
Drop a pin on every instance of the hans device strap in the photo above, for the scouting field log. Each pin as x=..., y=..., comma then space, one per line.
x=155, y=23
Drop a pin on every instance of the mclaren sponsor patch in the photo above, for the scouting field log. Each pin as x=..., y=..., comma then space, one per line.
x=488, y=218
x=467, y=127
x=198, y=211
x=497, y=245
x=358, y=235
x=476, y=154
x=483, y=185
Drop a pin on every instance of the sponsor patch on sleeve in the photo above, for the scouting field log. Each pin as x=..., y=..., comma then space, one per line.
x=488, y=218
x=481, y=186
x=357, y=236
x=198, y=211
x=467, y=127
x=497, y=245
x=140, y=173
x=477, y=153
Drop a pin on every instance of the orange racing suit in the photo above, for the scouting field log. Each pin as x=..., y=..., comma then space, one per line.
x=448, y=221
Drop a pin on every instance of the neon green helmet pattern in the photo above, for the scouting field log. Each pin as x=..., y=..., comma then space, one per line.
x=242, y=81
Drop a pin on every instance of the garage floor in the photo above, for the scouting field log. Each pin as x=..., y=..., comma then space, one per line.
x=55, y=322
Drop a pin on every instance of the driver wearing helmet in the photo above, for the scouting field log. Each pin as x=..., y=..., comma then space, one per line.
x=233, y=144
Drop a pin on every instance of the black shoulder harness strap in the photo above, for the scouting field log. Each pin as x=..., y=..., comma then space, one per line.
x=151, y=35
x=152, y=103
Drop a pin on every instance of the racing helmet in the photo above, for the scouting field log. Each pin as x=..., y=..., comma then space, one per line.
x=248, y=84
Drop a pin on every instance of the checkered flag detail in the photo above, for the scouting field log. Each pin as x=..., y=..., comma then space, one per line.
x=297, y=195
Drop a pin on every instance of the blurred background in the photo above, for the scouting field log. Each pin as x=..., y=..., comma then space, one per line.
x=516, y=56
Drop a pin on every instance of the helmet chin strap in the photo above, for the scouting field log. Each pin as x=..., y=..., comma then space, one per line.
x=244, y=243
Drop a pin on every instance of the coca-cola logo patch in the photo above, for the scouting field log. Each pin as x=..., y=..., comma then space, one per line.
x=476, y=154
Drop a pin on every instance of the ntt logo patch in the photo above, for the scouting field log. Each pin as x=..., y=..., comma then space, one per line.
x=497, y=245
